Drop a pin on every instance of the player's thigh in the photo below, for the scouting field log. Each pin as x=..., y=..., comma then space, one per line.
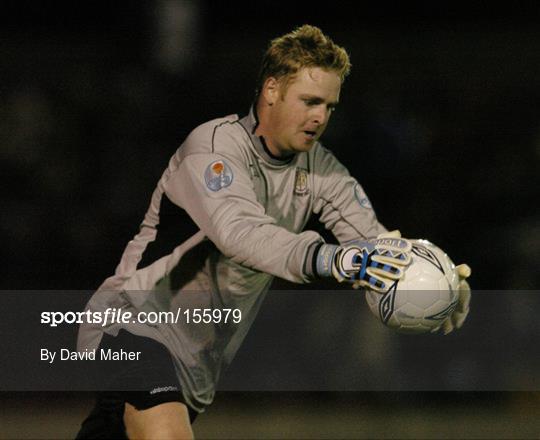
x=168, y=420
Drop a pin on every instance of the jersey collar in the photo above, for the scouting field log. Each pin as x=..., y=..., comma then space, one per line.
x=250, y=123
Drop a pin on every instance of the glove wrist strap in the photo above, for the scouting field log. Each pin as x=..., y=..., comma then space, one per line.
x=325, y=260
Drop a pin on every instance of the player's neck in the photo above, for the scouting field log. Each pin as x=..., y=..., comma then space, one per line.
x=264, y=132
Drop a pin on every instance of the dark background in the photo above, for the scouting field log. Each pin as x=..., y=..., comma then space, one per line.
x=439, y=121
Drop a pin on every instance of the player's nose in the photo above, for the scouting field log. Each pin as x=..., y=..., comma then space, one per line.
x=320, y=115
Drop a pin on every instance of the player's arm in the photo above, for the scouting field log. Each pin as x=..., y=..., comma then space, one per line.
x=217, y=192
x=368, y=255
x=340, y=200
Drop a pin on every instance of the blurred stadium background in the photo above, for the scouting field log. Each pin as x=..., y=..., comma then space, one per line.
x=440, y=122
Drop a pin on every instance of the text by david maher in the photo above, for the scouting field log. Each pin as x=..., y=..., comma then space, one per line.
x=102, y=354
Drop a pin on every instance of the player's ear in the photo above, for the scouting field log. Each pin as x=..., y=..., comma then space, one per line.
x=270, y=90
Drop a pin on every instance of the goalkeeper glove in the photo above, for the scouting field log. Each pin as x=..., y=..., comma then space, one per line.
x=458, y=316
x=374, y=263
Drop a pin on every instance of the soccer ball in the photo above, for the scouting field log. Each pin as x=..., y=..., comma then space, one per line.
x=425, y=296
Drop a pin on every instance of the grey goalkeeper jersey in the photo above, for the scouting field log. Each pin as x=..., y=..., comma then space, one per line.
x=251, y=209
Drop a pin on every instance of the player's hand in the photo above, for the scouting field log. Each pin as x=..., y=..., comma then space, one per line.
x=458, y=316
x=374, y=263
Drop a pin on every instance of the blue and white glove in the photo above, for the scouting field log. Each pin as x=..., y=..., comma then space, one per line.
x=374, y=263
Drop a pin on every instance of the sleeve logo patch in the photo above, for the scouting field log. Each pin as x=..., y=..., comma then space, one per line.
x=218, y=175
x=361, y=197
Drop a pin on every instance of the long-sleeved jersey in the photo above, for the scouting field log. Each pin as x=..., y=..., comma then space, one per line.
x=251, y=209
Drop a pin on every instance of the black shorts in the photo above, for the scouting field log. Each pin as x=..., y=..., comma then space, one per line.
x=144, y=383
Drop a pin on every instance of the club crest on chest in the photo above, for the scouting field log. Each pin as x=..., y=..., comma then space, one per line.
x=301, y=182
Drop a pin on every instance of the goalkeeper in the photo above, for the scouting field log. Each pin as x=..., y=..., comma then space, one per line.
x=250, y=184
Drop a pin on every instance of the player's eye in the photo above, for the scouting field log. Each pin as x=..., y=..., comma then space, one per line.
x=310, y=102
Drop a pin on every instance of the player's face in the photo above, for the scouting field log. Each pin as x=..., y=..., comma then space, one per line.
x=302, y=110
